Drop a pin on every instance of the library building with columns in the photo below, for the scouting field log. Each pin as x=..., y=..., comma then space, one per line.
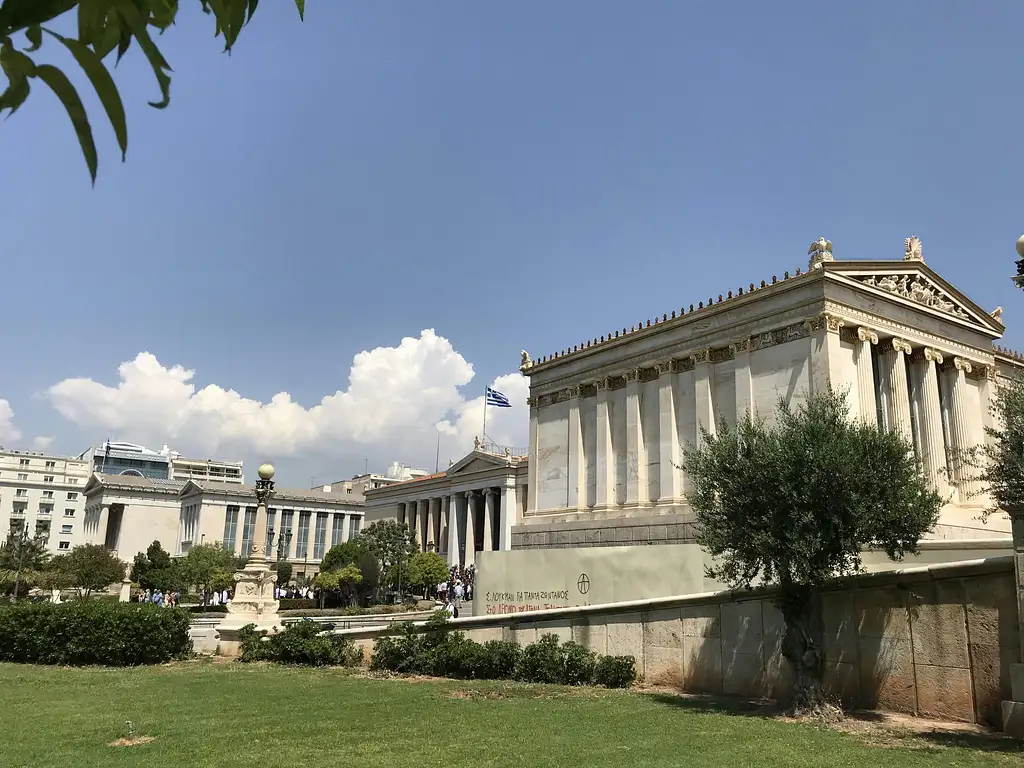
x=610, y=417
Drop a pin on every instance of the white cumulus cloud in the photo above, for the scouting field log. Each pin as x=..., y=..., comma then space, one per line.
x=397, y=400
x=8, y=432
x=42, y=442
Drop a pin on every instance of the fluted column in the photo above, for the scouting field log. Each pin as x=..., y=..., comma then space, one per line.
x=703, y=378
x=961, y=427
x=533, y=470
x=401, y=511
x=509, y=512
x=454, y=544
x=933, y=444
x=413, y=508
x=744, y=381
x=490, y=496
x=637, y=489
x=576, y=476
x=433, y=514
x=470, y=557
x=825, y=359
x=668, y=435
x=605, y=451
x=865, y=337
x=423, y=523
x=891, y=357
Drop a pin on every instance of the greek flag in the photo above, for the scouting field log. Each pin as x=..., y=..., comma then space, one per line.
x=498, y=400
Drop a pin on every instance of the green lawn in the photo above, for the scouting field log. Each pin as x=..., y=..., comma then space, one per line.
x=223, y=715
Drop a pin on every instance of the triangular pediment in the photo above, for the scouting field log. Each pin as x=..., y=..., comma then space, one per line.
x=93, y=482
x=477, y=461
x=915, y=283
x=190, y=488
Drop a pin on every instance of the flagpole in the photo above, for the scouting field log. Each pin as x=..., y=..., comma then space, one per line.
x=483, y=436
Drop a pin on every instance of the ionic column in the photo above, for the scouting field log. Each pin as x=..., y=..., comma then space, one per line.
x=489, y=499
x=744, y=381
x=703, y=376
x=961, y=427
x=637, y=490
x=509, y=511
x=576, y=475
x=423, y=523
x=102, y=525
x=668, y=435
x=825, y=352
x=442, y=538
x=401, y=511
x=413, y=507
x=865, y=375
x=933, y=444
x=432, y=515
x=453, y=530
x=470, y=557
x=533, y=470
x=605, y=451
x=891, y=356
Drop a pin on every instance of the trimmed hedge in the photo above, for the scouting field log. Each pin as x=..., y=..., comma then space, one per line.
x=300, y=643
x=440, y=652
x=81, y=632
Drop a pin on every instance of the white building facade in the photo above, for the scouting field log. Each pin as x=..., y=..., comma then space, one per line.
x=121, y=458
x=43, y=495
x=610, y=418
x=471, y=507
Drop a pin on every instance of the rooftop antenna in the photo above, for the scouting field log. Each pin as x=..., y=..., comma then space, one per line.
x=366, y=466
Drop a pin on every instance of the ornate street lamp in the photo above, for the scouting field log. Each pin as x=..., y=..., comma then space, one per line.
x=253, y=599
x=1019, y=279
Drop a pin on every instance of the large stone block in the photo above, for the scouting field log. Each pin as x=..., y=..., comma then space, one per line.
x=992, y=611
x=701, y=620
x=1017, y=681
x=664, y=666
x=594, y=637
x=663, y=629
x=887, y=674
x=944, y=693
x=743, y=674
x=659, y=533
x=773, y=629
x=559, y=629
x=839, y=623
x=526, y=634
x=742, y=628
x=842, y=681
x=702, y=664
x=939, y=625
x=990, y=669
x=1013, y=718
x=626, y=637
x=882, y=613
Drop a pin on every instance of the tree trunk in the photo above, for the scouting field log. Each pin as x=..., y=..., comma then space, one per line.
x=803, y=649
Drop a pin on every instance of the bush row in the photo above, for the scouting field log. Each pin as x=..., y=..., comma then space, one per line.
x=299, y=643
x=80, y=632
x=441, y=652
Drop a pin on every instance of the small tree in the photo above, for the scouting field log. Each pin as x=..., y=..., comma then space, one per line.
x=22, y=561
x=340, y=555
x=794, y=504
x=326, y=581
x=427, y=569
x=349, y=579
x=999, y=463
x=155, y=569
x=202, y=562
x=283, y=569
x=92, y=567
x=392, y=546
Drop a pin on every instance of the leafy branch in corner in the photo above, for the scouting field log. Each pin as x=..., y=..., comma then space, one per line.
x=103, y=26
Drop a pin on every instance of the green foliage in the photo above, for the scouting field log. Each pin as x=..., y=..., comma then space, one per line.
x=92, y=567
x=102, y=26
x=435, y=649
x=82, y=632
x=795, y=503
x=207, y=566
x=301, y=643
x=340, y=555
x=283, y=569
x=23, y=563
x=615, y=671
x=999, y=463
x=426, y=569
x=154, y=569
x=392, y=546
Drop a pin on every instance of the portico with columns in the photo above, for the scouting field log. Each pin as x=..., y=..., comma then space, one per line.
x=470, y=507
x=611, y=418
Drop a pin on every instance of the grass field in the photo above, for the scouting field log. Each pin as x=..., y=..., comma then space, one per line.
x=202, y=714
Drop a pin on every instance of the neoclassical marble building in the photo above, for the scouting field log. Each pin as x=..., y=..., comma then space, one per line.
x=610, y=417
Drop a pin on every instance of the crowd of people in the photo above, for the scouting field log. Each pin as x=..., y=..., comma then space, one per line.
x=167, y=599
x=458, y=587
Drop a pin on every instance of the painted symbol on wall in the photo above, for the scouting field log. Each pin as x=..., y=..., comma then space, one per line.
x=583, y=583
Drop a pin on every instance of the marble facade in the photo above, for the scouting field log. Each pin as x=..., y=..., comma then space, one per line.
x=610, y=418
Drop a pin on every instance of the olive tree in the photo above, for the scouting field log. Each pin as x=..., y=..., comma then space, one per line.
x=1000, y=461
x=101, y=27
x=792, y=504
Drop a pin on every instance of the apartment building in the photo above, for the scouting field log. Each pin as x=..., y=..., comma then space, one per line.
x=356, y=488
x=43, y=495
x=115, y=457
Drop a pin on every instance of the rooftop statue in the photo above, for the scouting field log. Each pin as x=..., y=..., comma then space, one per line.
x=912, y=249
x=820, y=250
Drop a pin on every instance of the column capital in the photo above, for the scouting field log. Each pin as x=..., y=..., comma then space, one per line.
x=632, y=375
x=866, y=334
x=533, y=401
x=826, y=321
x=926, y=355
x=895, y=344
x=740, y=345
x=958, y=364
x=701, y=356
x=490, y=492
x=469, y=494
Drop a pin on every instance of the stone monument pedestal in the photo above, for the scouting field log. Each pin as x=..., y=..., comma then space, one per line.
x=1013, y=710
x=126, y=590
x=252, y=603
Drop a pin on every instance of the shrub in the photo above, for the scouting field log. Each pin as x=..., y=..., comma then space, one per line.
x=615, y=671
x=216, y=609
x=81, y=632
x=498, y=660
x=578, y=664
x=542, y=662
x=401, y=653
x=297, y=604
x=300, y=643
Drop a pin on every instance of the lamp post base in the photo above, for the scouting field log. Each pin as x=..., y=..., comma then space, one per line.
x=253, y=603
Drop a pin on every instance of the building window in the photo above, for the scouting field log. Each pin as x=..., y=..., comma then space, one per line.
x=69, y=513
x=47, y=494
x=302, y=545
x=23, y=476
x=72, y=495
x=287, y=518
x=337, y=530
x=21, y=492
x=47, y=511
x=51, y=464
x=354, y=526
x=248, y=527
x=271, y=519
x=47, y=478
x=64, y=545
x=23, y=463
x=20, y=509
x=72, y=481
x=189, y=527
x=230, y=528
x=320, y=535
x=65, y=529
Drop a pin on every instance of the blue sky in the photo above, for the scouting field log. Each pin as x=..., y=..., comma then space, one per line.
x=520, y=175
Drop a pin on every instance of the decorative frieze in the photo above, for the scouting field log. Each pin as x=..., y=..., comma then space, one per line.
x=632, y=375
x=739, y=346
x=616, y=382
x=916, y=288
x=647, y=374
x=779, y=336
x=701, y=356
x=588, y=390
x=723, y=354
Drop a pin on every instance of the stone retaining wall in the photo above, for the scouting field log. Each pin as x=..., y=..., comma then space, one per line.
x=935, y=641
x=616, y=532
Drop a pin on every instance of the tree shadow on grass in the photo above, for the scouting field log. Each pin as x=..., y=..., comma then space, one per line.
x=710, y=704
x=979, y=741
